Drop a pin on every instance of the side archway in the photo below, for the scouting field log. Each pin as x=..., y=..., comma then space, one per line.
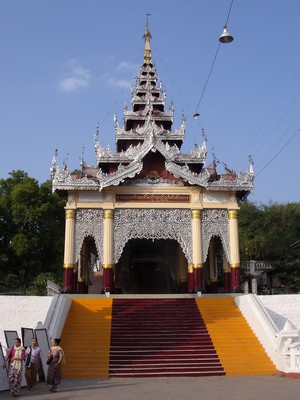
x=89, y=273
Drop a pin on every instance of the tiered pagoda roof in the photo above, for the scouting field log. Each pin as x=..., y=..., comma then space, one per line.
x=148, y=151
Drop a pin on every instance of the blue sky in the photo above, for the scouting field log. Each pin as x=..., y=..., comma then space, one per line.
x=67, y=64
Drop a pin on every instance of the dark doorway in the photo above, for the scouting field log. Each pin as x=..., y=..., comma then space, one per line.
x=148, y=266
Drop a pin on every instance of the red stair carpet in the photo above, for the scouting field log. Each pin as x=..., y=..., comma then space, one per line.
x=160, y=337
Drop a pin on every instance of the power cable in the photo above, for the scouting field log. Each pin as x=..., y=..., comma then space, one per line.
x=205, y=85
x=281, y=137
x=259, y=147
x=196, y=114
x=272, y=159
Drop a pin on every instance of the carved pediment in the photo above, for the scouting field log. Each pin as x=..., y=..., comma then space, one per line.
x=123, y=172
x=185, y=173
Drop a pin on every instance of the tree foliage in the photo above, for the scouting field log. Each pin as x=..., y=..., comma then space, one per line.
x=267, y=233
x=31, y=230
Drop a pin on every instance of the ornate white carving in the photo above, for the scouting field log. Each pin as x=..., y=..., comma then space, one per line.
x=185, y=173
x=102, y=152
x=71, y=197
x=196, y=196
x=215, y=198
x=199, y=151
x=89, y=222
x=119, y=176
x=64, y=181
x=152, y=224
x=215, y=223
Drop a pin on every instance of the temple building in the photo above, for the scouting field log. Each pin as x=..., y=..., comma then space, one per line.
x=149, y=218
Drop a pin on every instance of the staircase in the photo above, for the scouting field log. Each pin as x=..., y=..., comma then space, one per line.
x=86, y=338
x=238, y=348
x=160, y=337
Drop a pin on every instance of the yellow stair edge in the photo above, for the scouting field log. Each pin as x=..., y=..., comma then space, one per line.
x=237, y=355
x=95, y=315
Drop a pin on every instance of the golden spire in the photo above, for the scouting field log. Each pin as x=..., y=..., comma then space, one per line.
x=147, y=37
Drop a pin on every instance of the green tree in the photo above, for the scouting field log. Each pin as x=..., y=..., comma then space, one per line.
x=38, y=286
x=267, y=233
x=31, y=229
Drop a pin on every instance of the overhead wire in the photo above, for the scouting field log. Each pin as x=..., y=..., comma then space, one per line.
x=206, y=82
x=285, y=132
x=257, y=145
x=196, y=114
x=277, y=154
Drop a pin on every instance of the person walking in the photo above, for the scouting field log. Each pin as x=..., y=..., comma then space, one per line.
x=32, y=364
x=16, y=355
x=55, y=359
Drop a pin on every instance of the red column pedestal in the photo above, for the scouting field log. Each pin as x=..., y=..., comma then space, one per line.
x=198, y=279
x=107, y=279
x=68, y=280
x=81, y=287
x=74, y=281
x=235, y=280
x=227, y=280
x=191, y=285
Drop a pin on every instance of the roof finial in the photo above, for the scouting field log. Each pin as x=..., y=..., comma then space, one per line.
x=53, y=168
x=147, y=20
x=96, y=134
x=82, y=157
x=147, y=37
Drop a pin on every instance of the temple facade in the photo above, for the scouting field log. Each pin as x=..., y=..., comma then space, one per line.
x=149, y=218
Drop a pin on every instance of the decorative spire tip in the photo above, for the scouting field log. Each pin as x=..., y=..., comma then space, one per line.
x=147, y=37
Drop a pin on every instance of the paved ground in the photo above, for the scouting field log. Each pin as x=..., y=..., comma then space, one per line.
x=211, y=388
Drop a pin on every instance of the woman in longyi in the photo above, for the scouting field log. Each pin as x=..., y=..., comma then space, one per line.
x=55, y=360
x=16, y=355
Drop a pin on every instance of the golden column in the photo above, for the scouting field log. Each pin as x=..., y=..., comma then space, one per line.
x=197, y=251
x=69, y=251
x=108, y=255
x=234, y=250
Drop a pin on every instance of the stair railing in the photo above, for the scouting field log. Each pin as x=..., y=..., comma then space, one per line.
x=51, y=312
x=286, y=341
x=262, y=308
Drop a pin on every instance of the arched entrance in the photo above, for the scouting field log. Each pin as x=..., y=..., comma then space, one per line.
x=216, y=268
x=151, y=266
x=89, y=275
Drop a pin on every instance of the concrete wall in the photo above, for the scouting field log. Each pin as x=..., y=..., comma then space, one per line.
x=283, y=307
x=22, y=311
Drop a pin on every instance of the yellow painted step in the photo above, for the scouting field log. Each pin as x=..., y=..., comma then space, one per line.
x=86, y=338
x=239, y=350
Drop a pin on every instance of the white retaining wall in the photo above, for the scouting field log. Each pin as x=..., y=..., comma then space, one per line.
x=269, y=318
x=283, y=307
x=22, y=311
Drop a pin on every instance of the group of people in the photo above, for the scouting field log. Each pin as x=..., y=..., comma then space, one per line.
x=31, y=357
